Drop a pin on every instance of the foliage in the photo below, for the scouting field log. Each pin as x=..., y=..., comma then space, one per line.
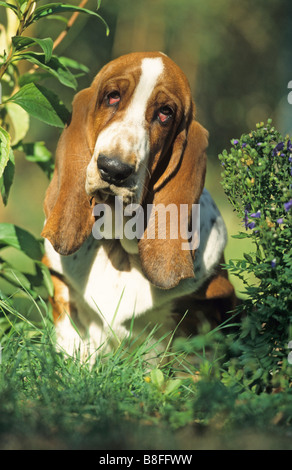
x=24, y=63
x=48, y=400
x=257, y=180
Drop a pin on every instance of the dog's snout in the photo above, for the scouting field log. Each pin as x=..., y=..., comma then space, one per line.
x=113, y=170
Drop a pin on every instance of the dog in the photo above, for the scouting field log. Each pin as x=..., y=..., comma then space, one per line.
x=133, y=139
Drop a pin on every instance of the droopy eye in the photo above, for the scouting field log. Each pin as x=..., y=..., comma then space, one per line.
x=164, y=114
x=113, y=98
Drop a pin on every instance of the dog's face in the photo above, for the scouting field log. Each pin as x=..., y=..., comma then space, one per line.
x=133, y=135
x=139, y=104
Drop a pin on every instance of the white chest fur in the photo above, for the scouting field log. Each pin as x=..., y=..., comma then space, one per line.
x=114, y=288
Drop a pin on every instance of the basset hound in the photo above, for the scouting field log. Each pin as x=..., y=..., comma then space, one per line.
x=132, y=136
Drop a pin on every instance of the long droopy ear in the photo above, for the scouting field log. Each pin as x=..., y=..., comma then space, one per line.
x=180, y=181
x=69, y=218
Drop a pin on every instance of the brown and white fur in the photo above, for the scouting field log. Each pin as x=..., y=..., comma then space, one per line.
x=138, y=115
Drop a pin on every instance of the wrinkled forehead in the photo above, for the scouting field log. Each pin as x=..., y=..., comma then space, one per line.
x=155, y=68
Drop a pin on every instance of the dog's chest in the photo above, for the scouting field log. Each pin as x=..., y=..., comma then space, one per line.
x=108, y=280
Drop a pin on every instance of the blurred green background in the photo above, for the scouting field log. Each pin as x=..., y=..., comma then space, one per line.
x=236, y=55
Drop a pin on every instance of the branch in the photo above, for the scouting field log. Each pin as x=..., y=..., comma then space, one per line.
x=70, y=23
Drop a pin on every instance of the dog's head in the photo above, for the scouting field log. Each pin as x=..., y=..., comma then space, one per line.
x=133, y=135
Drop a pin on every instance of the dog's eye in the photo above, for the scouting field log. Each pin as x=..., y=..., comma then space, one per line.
x=113, y=98
x=165, y=113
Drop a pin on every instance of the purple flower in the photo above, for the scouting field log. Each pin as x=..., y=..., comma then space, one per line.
x=243, y=145
x=273, y=263
x=289, y=146
x=246, y=210
x=251, y=225
x=256, y=215
x=278, y=149
x=280, y=221
x=288, y=205
x=235, y=141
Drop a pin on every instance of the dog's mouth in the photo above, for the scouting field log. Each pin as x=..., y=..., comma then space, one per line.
x=106, y=192
x=101, y=190
x=127, y=194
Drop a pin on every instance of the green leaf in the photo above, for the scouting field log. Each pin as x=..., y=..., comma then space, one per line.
x=53, y=66
x=157, y=378
x=47, y=279
x=241, y=235
x=16, y=237
x=20, y=121
x=248, y=257
x=41, y=103
x=58, y=18
x=172, y=386
x=38, y=153
x=32, y=77
x=7, y=178
x=73, y=64
x=53, y=8
x=23, y=3
x=4, y=149
x=21, y=42
x=15, y=277
x=9, y=5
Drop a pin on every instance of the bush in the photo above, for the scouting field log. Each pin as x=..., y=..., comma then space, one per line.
x=257, y=181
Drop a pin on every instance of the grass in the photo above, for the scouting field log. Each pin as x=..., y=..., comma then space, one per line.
x=50, y=401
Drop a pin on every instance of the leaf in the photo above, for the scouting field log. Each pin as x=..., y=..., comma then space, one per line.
x=157, y=378
x=38, y=153
x=23, y=3
x=22, y=42
x=53, y=8
x=32, y=77
x=9, y=5
x=20, y=121
x=41, y=103
x=16, y=237
x=4, y=149
x=172, y=386
x=47, y=279
x=58, y=18
x=15, y=277
x=248, y=257
x=241, y=235
x=7, y=178
x=73, y=64
x=54, y=67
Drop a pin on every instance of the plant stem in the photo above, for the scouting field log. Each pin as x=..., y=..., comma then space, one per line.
x=64, y=33
x=70, y=23
x=4, y=66
x=26, y=15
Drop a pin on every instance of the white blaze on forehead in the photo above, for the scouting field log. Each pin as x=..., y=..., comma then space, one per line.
x=130, y=132
x=129, y=135
x=151, y=69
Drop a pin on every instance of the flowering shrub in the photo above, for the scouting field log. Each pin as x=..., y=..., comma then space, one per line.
x=257, y=181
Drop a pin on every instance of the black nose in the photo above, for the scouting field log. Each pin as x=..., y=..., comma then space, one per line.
x=113, y=170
